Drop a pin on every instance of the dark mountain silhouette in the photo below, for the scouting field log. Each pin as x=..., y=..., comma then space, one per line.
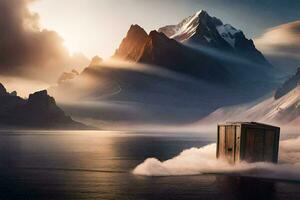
x=38, y=111
x=162, y=51
x=158, y=49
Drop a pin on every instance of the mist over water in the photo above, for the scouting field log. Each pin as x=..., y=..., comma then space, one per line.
x=203, y=160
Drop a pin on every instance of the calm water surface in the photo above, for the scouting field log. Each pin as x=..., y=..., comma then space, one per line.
x=98, y=165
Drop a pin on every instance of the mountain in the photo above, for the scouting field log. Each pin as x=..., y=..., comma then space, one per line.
x=281, y=108
x=157, y=49
x=162, y=51
x=167, y=80
x=117, y=94
x=203, y=47
x=203, y=30
x=38, y=111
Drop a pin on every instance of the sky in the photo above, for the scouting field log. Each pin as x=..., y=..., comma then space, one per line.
x=96, y=27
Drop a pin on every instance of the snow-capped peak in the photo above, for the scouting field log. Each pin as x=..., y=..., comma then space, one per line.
x=200, y=11
x=209, y=26
x=228, y=32
x=188, y=26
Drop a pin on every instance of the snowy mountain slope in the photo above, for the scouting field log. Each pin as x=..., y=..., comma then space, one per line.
x=228, y=33
x=280, y=111
x=190, y=26
x=282, y=107
x=184, y=30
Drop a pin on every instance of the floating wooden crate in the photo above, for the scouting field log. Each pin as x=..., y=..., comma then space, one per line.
x=248, y=141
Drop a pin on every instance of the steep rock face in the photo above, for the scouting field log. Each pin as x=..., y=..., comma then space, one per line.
x=288, y=85
x=8, y=101
x=38, y=111
x=162, y=51
x=158, y=49
x=206, y=31
x=2, y=90
x=132, y=44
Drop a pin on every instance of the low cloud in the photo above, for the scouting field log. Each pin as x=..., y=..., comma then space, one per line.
x=281, y=40
x=27, y=50
x=281, y=44
x=203, y=160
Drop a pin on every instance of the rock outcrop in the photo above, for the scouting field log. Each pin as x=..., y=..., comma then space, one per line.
x=132, y=45
x=39, y=111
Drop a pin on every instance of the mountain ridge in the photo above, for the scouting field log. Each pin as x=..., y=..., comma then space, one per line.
x=38, y=111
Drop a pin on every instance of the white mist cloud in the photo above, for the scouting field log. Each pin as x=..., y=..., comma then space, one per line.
x=281, y=45
x=203, y=160
x=281, y=40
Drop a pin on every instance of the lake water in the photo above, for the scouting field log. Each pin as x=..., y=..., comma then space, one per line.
x=98, y=165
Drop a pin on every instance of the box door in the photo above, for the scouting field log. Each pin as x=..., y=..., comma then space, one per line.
x=230, y=143
x=254, y=148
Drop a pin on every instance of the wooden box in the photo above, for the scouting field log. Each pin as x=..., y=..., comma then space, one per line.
x=248, y=141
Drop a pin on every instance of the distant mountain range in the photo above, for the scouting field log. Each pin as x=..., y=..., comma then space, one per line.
x=39, y=111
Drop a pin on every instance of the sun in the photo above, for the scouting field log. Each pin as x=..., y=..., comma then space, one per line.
x=72, y=47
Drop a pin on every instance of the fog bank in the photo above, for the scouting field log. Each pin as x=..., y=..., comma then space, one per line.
x=203, y=160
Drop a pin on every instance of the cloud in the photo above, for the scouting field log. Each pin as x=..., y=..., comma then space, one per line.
x=281, y=44
x=281, y=40
x=28, y=50
x=203, y=160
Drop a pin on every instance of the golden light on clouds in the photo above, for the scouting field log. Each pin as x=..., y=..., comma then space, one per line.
x=282, y=40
